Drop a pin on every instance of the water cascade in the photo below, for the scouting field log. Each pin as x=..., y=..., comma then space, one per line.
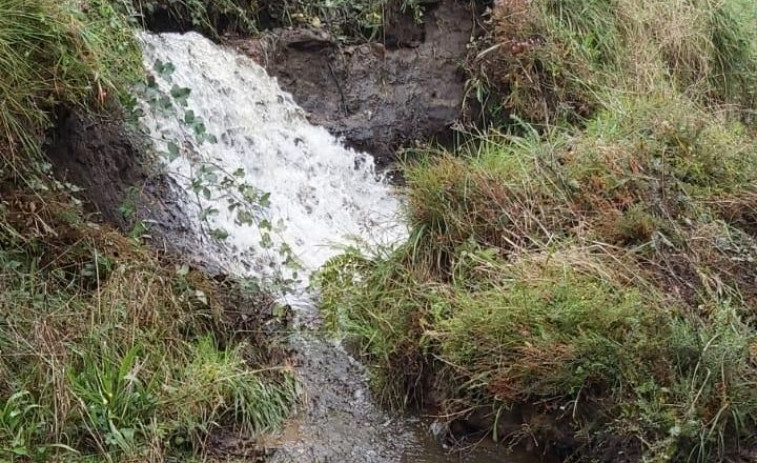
x=271, y=196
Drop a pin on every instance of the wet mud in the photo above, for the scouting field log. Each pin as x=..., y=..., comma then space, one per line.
x=378, y=96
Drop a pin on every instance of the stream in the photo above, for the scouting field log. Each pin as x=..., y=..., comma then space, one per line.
x=281, y=196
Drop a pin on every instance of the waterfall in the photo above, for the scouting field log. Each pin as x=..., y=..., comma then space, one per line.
x=273, y=193
x=270, y=196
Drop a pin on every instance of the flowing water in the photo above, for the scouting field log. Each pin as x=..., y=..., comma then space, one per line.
x=272, y=197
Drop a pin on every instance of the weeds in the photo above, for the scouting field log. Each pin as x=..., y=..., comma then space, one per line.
x=108, y=351
x=585, y=281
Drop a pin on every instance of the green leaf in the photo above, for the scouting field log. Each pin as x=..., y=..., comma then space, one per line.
x=265, y=200
x=180, y=92
x=219, y=234
x=173, y=150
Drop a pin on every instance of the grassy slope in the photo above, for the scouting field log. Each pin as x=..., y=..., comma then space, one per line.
x=108, y=352
x=590, y=278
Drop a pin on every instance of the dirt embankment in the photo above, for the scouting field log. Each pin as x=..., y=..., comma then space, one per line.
x=378, y=96
x=110, y=163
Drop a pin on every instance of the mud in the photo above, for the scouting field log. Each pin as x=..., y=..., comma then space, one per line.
x=100, y=154
x=382, y=96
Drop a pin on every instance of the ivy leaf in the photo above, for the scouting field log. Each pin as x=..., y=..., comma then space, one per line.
x=265, y=200
x=189, y=117
x=173, y=150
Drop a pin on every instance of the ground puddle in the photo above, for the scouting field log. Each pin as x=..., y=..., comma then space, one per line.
x=272, y=197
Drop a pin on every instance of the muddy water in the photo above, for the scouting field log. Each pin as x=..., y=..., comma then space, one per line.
x=341, y=423
x=318, y=194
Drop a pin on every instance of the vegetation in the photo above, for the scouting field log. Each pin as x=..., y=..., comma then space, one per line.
x=584, y=275
x=54, y=53
x=108, y=351
x=347, y=20
x=555, y=60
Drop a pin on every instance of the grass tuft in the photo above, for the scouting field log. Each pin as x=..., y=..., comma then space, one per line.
x=583, y=280
x=554, y=59
x=54, y=53
x=109, y=351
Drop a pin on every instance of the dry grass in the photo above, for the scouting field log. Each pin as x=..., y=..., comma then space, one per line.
x=108, y=350
x=589, y=281
x=553, y=60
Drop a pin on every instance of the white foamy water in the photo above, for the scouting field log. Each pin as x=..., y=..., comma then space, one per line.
x=318, y=195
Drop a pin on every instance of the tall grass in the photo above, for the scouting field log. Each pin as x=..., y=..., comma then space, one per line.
x=52, y=53
x=556, y=59
x=584, y=281
x=109, y=352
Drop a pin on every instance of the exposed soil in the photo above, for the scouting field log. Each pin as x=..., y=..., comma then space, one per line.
x=101, y=155
x=377, y=96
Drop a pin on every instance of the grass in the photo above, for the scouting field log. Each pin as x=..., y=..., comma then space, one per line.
x=582, y=278
x=213, y=18
x=52, y=53
x=553, y=60
x=108, y=351
x=346, y=20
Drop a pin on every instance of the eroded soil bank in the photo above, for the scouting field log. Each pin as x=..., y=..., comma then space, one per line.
x=378, y=96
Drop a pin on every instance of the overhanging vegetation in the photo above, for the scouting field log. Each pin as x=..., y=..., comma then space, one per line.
x=108, y=351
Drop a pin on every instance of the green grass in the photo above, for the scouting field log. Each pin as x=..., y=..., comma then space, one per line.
x=583, y=278
x=54, y=54
x=108, y=351
x=212, y=18
x=553, y=59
